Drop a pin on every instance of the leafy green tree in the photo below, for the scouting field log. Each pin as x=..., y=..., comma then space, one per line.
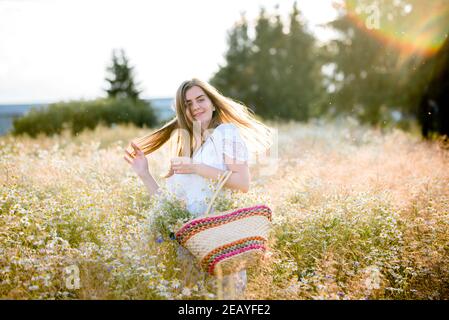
x=366, y=77
x=79, y=115
x=423, y=73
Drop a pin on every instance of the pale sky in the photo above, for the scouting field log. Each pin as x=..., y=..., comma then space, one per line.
x=52, y=50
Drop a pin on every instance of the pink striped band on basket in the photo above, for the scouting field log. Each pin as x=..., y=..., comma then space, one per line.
x=197, y=225
x=231, y=249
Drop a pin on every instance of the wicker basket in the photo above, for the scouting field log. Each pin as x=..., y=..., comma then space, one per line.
x=228, y=241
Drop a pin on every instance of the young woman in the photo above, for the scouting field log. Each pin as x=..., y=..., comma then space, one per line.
x=212, y=133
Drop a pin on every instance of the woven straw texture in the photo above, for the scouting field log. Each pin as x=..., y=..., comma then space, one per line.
x=226, y=242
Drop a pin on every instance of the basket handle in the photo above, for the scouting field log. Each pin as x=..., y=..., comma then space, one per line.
x=220, y=184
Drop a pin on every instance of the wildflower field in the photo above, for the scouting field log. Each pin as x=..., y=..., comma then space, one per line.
x=358, y=213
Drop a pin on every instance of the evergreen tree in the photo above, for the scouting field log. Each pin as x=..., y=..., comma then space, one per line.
x=275, y=73
x=302, y=70
x=121, y=78
x=236, y=75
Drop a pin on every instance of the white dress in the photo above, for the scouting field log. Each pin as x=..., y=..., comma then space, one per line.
x=197, y=191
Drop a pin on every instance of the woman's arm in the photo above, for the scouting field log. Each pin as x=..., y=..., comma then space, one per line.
x=150, y=183
x=239, y=179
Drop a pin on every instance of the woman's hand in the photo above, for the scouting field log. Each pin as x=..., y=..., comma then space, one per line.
x=170, y=173
x=139, y=163
x=183, y=165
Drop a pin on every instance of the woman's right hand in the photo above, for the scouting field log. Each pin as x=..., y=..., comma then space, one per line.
x=139, y=163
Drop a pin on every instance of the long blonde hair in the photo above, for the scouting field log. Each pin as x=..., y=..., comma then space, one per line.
x=257, y=135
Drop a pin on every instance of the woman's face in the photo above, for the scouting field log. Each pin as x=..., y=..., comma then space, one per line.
x=199, y=106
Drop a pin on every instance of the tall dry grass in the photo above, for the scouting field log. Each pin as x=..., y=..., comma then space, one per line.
x=358, y=214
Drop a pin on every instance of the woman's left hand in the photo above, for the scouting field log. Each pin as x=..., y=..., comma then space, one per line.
x=183, y=165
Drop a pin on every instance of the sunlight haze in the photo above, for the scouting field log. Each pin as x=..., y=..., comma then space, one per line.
x=59, y=50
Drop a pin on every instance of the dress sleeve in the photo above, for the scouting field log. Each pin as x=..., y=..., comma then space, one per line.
x=233, y=144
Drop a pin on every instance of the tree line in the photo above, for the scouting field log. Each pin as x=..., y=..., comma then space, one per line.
x=121, y=105
x=377, y=74
x=380, y=69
